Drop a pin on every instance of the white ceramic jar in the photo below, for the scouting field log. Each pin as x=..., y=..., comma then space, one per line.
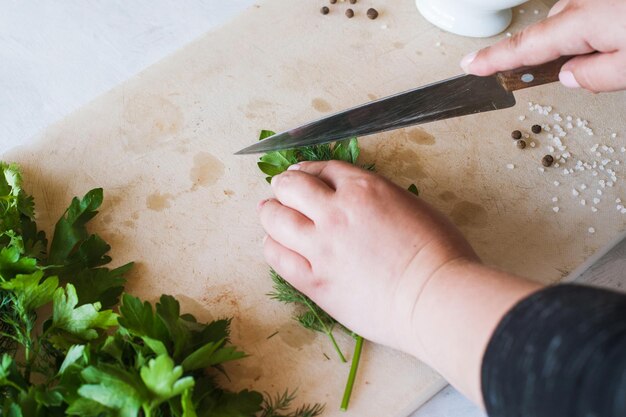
x=476, y=18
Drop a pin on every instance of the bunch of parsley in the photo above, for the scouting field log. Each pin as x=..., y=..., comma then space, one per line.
x=311, y=316
x=65, y=351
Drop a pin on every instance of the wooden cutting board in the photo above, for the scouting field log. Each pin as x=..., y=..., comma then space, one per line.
x=180, y=204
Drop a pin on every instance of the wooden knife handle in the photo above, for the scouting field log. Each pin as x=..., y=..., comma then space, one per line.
x=525, y=77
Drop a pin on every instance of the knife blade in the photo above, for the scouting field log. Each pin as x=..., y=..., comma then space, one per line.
x=454, y=97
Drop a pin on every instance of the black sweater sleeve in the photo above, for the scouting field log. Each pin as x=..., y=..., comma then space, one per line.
x=561, y=352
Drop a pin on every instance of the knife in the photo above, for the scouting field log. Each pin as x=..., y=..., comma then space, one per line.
x=456, y=96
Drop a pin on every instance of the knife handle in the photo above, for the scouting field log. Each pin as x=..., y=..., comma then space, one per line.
x=525, y=77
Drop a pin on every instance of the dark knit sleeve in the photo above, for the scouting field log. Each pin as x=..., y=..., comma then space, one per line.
x=561, y=352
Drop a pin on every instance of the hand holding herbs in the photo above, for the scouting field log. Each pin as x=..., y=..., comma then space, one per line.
x=312, y=316
x=65, y=351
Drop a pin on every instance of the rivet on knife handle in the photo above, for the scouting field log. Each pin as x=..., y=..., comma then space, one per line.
x=525, y=77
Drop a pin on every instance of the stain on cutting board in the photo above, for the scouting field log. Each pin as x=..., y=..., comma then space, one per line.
x=321, y=105
x=206, y=170
x=466, y=213
x=420, y=136
x=158, y=201
x=148, y=120
x=294, y=336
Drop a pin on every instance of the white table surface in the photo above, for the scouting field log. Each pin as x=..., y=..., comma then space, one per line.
x=55, y=56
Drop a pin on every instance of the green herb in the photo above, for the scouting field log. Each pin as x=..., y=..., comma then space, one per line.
x=312, y=316
x=66, y=352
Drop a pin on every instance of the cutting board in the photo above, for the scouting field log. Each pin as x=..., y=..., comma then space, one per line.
x=183, y=207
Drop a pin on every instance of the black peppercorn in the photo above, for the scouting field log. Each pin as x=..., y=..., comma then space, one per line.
x=372, y=13
x=547, y=160
x=324, y=10
x=352, y=1
x=333, y=1
x=516, y=134
x=536, y=129
x=350, y=13
x=521, y=144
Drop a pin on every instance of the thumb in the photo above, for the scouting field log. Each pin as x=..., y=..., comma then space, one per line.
x=599, y=72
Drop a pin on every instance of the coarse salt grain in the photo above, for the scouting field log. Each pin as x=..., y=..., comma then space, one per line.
x=541, y=169
x=555, y=209
x=575, y=192
x=619, y=207
x=594, y=209
x=555, y=199
x=556, y=183
x=623, y=211
x=613, y=135
x=510, y=166
x=533, y=144
x=508, y=34
x=596, y=200
x=591, y=230
x=618, y=200
x=557, y=165
x=599, y=192
x=583, y=186
x=522, y=118
x=536, y=11
x=583, y=202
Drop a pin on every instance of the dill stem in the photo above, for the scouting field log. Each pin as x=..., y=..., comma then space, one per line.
x=332, y=339
x=327, y=330
x=356, y=357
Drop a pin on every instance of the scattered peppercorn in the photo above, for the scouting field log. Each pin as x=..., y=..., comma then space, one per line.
x=324, y=10
x=372, y=13
x=350, y=13
x=536, y=129
x=516, y=134
x=547, y=160
x=333, y=1
x=352, y=1
x=521, y=144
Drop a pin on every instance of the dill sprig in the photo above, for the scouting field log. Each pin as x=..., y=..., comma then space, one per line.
x=313, y=318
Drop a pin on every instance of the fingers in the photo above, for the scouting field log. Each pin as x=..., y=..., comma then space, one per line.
x=285, y=225
x=303, y=192
x=287, y=263
x=331, y=172
x=558, y=35
x=596, y=72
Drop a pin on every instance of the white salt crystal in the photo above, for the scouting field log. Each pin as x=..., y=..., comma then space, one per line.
x=555, y=209
x=593, y=209
x=596, y=200
x=591, y=230
x=575, y=192
x=510, y=166
x=555, y=199
x=583, y=202
x=556, y=183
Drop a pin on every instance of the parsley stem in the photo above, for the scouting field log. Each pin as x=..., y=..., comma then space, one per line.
x=356, y=357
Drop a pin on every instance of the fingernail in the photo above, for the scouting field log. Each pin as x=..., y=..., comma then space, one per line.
x=568, y=80
x=467, y=61
x=294, y=167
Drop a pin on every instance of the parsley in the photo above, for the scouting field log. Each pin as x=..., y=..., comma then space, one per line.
x=312, y=317
x=65, y=351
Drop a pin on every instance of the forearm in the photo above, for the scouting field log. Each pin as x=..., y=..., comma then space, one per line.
x=456, y=315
